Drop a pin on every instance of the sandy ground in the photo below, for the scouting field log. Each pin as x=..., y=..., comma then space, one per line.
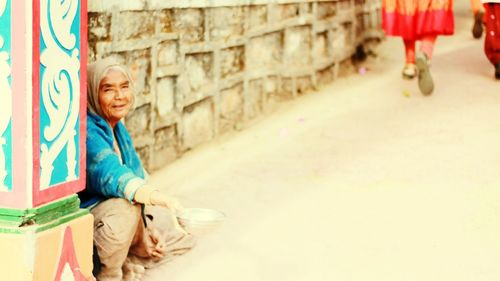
x=363, y=180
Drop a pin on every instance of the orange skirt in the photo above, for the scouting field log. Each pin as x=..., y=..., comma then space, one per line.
x=412, y=19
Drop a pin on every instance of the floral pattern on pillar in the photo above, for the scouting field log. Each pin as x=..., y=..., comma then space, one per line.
x=59, y=91
x=5, y=97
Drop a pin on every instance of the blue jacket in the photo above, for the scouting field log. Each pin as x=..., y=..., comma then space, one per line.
x=107, y=177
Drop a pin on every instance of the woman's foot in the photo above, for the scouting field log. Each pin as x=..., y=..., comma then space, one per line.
x=425, y=82
x=477, y=28
x=409, y=71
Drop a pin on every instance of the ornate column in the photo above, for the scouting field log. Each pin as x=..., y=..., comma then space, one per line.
x=43, y=233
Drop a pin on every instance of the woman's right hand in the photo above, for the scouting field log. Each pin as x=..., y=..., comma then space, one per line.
x=150, y=196
x=163, y=200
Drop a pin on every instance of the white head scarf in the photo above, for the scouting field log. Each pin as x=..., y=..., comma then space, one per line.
x=95, y=73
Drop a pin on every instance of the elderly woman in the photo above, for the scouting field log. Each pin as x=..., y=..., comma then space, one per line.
x=116, y=190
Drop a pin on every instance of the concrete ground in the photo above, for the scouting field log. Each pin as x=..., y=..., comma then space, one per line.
x=364, y=180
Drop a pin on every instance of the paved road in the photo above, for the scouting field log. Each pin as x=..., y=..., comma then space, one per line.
x=365, y=180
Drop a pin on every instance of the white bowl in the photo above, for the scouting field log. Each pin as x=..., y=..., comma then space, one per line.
x=200, y=220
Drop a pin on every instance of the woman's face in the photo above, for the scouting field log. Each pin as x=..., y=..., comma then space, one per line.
x=115, y=96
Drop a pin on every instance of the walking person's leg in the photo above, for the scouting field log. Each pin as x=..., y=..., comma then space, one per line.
x=425, y=81
x=410, y=69
x=477, y=27
x=427, y=43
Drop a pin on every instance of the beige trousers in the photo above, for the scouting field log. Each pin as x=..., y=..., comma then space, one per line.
x=119, y=232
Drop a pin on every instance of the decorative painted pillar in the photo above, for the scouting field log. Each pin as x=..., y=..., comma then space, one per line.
x=44, y=235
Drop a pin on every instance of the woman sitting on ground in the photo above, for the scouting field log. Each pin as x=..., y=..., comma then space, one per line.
x=116, y=190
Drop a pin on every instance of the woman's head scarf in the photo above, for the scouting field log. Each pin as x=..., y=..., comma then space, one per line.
x=95, y=73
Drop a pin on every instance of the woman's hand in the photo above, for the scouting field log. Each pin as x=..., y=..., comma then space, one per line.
x=150, y=196
x=160, y=199
x=156, y=245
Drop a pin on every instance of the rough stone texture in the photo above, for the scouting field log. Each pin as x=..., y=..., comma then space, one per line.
x=99, y=26
x=132, y=25
x=144, y=153
x=290, y=11
x=344, y=4
x=303, y=84
x=348, y=34
x=189, y=24
x=271, y=85
x=226, y=23
x=257, y=16
x=196, y=80
x=340, y=41
x=138, y=121
x=165, y=147
x=325, y=75
x=139, y=64
x=115, y=5
x=287, y=90
x=231, y=107
x=165, y=20
x=167, y=53
x=165, y=95
x=92, y=52
x=320, y=49
x=255, y=98
x=305, y=8
x=346, y=68
x=199, y=64
x=297, y=49
x=232, y=61
x=265, y=51
x=197, y=122
x=271, y=91
x=326, y=10
x=360, y=24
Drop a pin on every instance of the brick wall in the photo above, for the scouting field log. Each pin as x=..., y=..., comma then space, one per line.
x=202, y=69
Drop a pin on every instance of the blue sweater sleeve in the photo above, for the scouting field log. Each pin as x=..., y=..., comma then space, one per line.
x=106, y=175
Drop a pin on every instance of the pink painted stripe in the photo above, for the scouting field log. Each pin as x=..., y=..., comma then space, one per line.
x=83, y=93
x=17, y=198
x=36, y=101
x=68, y=256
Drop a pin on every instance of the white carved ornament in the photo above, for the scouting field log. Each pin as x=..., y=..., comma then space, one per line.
x=60, y=86
x=5, y=101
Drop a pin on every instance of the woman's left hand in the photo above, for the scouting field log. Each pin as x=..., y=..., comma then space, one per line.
x=156, y=247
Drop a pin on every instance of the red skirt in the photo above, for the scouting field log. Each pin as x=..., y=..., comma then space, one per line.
x=412, y=19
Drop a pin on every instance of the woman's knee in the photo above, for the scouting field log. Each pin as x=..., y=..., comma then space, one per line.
x=116, y=222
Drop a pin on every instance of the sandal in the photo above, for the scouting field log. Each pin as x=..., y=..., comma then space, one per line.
x=409, y=71
x=425, y=82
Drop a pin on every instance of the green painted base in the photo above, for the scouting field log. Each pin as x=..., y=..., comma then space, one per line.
x=41, y=218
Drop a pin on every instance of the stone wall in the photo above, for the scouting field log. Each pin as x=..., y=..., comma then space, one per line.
x=202, y=69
